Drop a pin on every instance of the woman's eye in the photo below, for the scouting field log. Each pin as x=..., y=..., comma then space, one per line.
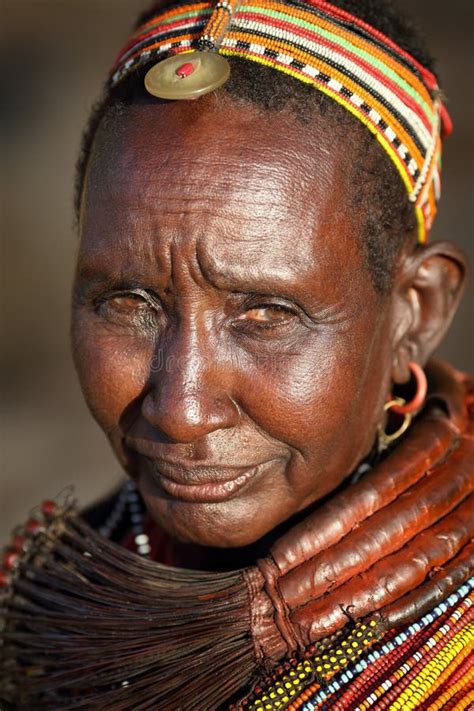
x=127, y=303
x=267, y=315
x=128, y=309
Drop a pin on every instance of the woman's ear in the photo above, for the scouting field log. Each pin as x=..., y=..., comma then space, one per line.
x=428, y=288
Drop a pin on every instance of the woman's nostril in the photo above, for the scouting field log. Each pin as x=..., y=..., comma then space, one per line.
x=188, y=416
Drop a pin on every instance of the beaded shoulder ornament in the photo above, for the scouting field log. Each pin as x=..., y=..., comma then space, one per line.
x=383, y=86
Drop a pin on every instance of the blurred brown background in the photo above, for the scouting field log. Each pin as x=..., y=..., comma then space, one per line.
x=55, y=55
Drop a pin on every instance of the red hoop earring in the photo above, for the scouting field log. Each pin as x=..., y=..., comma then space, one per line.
x=402, y=407
x=420, y=395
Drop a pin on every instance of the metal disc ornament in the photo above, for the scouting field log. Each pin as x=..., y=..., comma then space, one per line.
x=187, y=76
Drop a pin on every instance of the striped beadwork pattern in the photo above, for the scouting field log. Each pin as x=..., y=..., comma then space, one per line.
x=217, y=25
x=428, y=665
x=394, y=96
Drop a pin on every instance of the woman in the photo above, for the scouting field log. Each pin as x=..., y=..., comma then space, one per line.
x=255, y=307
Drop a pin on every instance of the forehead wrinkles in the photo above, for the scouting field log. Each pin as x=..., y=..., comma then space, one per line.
x=156, y=209
x=200, y=184
x=195, y=150
x=168, y=178
x=238, y=232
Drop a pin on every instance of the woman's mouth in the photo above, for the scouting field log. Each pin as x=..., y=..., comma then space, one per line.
x=204, y=483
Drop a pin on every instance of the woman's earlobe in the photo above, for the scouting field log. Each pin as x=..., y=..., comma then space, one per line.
x=430, y=292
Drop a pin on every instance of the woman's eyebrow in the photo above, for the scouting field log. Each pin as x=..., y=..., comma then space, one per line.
x=94, y=277
x=246, y=276
x=267, y=285
x=104, y=266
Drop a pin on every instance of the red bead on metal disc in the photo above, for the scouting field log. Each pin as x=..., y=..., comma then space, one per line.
x=48, y=507
x=185, y=70
x=9, y=560
x=187, y=77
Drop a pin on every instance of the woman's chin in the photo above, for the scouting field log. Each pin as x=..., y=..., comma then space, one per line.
x=206, y=525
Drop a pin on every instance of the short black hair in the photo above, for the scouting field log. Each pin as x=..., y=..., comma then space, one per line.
x=378, y=188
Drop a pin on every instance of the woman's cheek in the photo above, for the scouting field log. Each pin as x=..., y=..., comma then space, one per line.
x=300, y=385
x=113, y=372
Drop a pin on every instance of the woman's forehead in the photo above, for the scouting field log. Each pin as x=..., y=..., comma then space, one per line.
x=226, y=144
x=254, y=195
x=222, y=159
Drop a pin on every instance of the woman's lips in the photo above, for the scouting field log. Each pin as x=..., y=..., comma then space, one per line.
x=203, y=484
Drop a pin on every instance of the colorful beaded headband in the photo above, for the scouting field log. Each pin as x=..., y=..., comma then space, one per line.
x=389, y=91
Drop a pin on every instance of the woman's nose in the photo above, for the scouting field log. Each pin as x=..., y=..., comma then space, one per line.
x=190, y=393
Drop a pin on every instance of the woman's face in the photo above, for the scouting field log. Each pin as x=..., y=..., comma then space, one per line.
x=226, y=331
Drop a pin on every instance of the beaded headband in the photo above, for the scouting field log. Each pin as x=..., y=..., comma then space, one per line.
x=388, y=90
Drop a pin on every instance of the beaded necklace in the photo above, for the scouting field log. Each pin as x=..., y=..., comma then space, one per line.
x=428, y=665
x=128, y=503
